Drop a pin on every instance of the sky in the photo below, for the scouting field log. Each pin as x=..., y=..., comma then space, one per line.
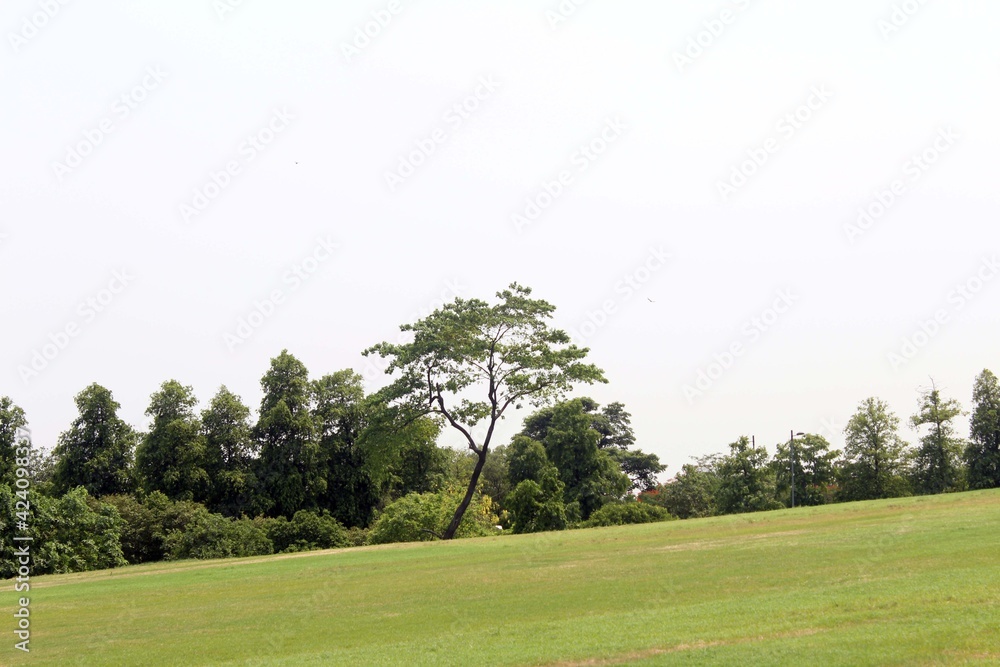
x=755, y=214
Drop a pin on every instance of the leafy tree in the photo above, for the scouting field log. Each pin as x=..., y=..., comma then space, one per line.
x=229, y=456
x=495, y=481
x=691, y=493
x=351, y=493
x=746, y=481
x=874, y=455
x=526, y=459
x=12, y=420
x=641, y=468
x=97, y=450
x=614, y=424
x=937, y=464
x=506, y=350
x=172, y=457
x=536, y=506
x=591, y=475
x=982, y=454
x=815, y=470
x=291, y=466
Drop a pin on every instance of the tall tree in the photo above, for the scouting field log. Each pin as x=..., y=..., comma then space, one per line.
x=746, y=481
x=937, y=463
x=982, y=455
x=291, y=466
x=815, y=470
x=692, y=492
x=506, y=350
x=98, y=449
x=172, y=457
x=874, y=457
x=230, y=452
x=591, y=476
x=12, y=420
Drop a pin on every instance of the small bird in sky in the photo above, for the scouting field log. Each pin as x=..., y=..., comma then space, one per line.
x=650, y=300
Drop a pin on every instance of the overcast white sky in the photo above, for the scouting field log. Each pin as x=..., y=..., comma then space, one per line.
x=198, y=81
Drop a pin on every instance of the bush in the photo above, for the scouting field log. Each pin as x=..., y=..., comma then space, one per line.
x=535, y=507
x=620, y=514
x=208, y=535
x=419, y=517
x=305, y=532
x=74, y=533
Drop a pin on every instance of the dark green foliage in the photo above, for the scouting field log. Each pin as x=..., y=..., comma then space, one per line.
x=641, y=468
x=12, y=420
x=207, y=535
x=590, y=475
x=874, y=459
x=746, y=482
x=982, y=454
x=536, y=504
x=172, y=457
x=291, y=466
x=305, y=532
x=937, y=462
x=74, y=533
x=620, y=514
x=815, y=470
x=229, y=457
x=97, y=450
x=526, y=459
x=691, y=494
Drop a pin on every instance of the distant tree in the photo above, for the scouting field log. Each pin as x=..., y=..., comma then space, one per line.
x=982, y=454
x=937, y=463
x=351, y=494
x=614, y=424
x=507, y=350
x=692, y=492
x=291, y=466
x=629, y=512
x=874, y=459
x=230, y=452
x=98, y=449
x=172, y=457
x=591, y=476
x=12, y=420
x=495, y=479
x=746, y=481
x=526, y=459
x=641, y=468
x=536, y=506
x=815, y=470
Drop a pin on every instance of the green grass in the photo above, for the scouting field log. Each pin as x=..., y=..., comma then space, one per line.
x=912, y=581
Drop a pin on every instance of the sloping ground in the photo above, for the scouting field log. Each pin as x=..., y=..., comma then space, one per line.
x=901, y=582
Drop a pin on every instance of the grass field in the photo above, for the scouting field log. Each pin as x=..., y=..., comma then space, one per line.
x=913, y=581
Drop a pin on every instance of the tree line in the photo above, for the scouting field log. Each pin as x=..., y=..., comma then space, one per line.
x=875, y=462
x=326, y=465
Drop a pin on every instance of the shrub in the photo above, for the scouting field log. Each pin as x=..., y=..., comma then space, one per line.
x=305, y=532
x=208, y=535
x=620, y=514
x=420, y=517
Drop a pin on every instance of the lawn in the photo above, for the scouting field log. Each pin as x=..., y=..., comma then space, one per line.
x=912, y=581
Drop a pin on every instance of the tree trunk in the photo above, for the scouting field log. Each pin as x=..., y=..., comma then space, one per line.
x=460, y=512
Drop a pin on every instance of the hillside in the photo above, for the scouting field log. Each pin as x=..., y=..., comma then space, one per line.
x=898, y=582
